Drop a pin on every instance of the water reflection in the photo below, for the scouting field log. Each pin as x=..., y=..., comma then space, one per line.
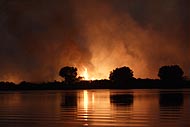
x=69, y=100
x=76, y=108
x=12, y=99
x=122, y=99
x=170, y=99
x=93, y=106
x=171, y=104
x=123, y=108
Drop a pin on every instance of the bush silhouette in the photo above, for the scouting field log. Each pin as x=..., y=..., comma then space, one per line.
x=121, y=75
x=69, y=74
x=173, y=72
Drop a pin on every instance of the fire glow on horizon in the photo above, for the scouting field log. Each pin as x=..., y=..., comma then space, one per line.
x=85, y=75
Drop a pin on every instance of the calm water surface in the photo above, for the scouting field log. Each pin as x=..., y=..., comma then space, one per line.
x=78, y=108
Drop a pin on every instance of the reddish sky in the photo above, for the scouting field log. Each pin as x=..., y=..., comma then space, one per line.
x=38, y=37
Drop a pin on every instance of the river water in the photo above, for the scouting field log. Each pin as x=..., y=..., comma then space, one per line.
x=93, y=108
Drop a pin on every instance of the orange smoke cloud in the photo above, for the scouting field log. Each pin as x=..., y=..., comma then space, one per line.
x=97, y=35
x=118, y=40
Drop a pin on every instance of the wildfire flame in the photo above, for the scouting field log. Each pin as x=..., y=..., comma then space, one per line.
x=85, y=74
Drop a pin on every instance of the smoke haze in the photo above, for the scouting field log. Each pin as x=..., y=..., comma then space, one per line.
x=39, y=37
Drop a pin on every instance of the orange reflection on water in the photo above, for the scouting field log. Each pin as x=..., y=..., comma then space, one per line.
x=91, y=100
x=85, y=100
x=94, y=107
x=85, y=104
x=91, y=103
x=12, y=100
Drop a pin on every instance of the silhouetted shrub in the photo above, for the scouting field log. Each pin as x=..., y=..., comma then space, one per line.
x=173, y=72
x=69, y=74
x=121, y=75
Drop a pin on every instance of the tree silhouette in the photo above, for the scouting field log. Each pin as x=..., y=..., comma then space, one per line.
x=121, y=75
x=68, y=73
x=173, y=72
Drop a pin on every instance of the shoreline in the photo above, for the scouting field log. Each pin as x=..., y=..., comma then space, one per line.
x=98, y=84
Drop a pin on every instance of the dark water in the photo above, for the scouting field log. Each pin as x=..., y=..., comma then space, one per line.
x=134, y=108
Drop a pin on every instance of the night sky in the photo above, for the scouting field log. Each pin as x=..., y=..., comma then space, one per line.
x=38, y=37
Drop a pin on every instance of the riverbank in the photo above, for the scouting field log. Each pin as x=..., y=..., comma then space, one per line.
x=97, y=84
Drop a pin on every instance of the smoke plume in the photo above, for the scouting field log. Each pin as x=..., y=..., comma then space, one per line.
x=39, y=37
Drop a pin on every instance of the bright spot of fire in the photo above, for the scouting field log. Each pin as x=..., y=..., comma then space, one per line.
x=85, y=75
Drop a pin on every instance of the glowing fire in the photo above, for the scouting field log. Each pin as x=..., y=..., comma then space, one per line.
x=85, y=74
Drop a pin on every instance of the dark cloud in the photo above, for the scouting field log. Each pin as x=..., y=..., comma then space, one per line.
x=37, y=38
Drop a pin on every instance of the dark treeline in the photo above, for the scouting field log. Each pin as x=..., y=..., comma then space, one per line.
x=120, y=78
x=97, y=84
